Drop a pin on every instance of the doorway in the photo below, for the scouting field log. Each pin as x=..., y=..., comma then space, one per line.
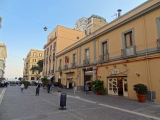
x=117, y=86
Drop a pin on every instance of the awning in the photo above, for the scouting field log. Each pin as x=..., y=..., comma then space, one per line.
x=50, y=77
x=89, y=73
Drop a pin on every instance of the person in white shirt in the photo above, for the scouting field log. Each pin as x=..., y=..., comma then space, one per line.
x=22, y=86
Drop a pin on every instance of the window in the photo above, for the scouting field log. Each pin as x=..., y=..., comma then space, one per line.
x=60, y=63
x=54, y=46
x=85, y=32
x=40, y=55
x=128, y=39
x=104, y=48
x=53, y=56
x=86, y=53
x=47, y=50
x=74, y=58
x=158, y=26
x=34, y=54
x=32, y=72
x=51, y=48
x=33, y=60
x=32, y=78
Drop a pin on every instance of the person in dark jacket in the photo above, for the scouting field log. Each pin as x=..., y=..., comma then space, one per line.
x=48, y=86
x=37, y=89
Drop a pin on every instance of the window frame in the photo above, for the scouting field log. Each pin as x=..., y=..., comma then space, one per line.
x=74, y=60
x=124, y=40
x=158, y=26
x=85, y=56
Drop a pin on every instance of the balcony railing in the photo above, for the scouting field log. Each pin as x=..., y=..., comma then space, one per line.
x=66, y=67
x=86, y=62
x=158, y=44
x=73, y=65
x=129, y=52
x=104, y=58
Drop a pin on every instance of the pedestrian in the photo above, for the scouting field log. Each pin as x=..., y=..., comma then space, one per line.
x=37, y=89
x=48, y=86
x=22, y=86
x=86, y=88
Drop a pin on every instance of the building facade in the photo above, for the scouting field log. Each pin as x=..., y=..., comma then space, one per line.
x=31, y=60
x=3, y=56
x=91, y=24
x=57, y=40
x=122, y=53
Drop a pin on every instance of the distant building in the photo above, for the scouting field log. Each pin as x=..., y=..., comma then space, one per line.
x=31, y=60
x=60, y=38
x=3, y=56
x=91, y=24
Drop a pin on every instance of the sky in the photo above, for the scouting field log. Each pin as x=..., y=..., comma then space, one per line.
x=23, y=22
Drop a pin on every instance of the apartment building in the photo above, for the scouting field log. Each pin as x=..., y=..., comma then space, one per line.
x=91, y=24
x=60, y=38
x=31, y=60
x=3, y=56
x=122, y=53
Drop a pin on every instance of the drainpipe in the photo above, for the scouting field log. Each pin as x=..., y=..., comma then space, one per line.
x=147, y=62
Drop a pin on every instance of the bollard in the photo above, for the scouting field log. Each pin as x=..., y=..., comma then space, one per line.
x=74, y=90
x=63, y=98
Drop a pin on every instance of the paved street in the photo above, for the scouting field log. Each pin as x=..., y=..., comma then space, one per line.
x=26, y=106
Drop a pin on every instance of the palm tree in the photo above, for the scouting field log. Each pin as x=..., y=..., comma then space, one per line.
x=37, y=70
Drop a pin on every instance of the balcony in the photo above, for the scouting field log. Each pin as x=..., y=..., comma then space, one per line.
x=73, y=65
x=158, y=44
x=86, y=62
x=104, y=58
x=129, y=52
x=66, y=67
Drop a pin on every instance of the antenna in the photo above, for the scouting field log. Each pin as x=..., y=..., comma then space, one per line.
x=115, y=15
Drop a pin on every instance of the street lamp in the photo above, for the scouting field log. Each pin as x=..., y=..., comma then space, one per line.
x=45, y=28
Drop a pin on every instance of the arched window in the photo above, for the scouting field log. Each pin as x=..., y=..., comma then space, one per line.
x=34, y=54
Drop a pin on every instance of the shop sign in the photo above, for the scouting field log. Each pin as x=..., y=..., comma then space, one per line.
x=115, y=71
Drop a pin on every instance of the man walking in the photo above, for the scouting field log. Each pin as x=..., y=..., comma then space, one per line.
x=37, y=89
x=49, y=86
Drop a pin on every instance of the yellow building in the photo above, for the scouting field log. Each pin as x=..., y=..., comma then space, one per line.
x=3, y=56
x=122, y=53
x=31, y=60
x=57, y=40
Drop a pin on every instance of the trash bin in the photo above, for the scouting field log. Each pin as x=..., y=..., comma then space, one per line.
x=63, y=98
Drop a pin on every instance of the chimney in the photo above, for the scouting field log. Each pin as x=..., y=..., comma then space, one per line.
x=119, y=12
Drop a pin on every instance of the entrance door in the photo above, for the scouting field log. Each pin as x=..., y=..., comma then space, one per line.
x=112, y=86
x=125, y=87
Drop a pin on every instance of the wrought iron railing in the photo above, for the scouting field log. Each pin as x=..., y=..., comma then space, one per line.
x=129, y=52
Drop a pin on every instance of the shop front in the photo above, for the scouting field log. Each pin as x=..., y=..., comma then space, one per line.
x=117, y=85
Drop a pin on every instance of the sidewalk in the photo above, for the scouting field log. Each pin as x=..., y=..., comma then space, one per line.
x=148, y=108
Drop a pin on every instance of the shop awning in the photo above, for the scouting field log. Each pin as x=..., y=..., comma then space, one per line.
x=50, y=77
x=89, y=73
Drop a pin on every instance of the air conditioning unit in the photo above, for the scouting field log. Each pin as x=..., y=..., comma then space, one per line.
x=129, y=51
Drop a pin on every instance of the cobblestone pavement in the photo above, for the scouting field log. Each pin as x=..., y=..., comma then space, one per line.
x=17, y=105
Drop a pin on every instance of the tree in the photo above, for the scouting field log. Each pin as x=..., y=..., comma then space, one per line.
x=20, y=78
x=40, y=63
x=37, y=70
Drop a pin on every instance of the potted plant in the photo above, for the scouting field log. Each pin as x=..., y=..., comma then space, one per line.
x=141, y=91
x=98, y=86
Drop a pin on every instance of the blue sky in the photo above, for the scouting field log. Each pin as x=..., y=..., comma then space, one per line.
x=23, y=22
